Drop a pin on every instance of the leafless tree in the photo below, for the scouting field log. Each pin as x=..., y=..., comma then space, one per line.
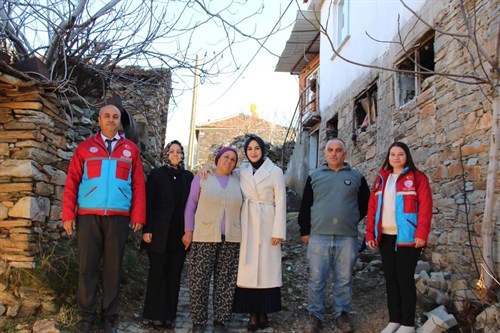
x=91, y=38
x=485, y=74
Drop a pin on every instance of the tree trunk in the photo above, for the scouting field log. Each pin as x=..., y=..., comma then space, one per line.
x=488, y=227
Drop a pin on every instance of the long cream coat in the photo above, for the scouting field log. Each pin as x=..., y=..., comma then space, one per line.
x=263, y=216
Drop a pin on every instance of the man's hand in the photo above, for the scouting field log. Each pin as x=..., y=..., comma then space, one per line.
x=137, y=226
x=147, y=237
x=305, y=239
x=419, y=242
x=69, y=226
x=187, y=239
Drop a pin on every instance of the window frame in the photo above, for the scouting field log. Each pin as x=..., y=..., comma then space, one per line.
x=371, y=93
x=412, y=59
x=342, y=20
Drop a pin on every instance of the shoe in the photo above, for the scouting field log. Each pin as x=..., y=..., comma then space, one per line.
x=406, y=329
x=391, y=327
x=198, y=328
x=313, y=325
x=343, y=323
x=169, y=324
x=110, y=327
x=84, y=326
x=219, y=327
x=263, y=321
x=158, y=324
x=253, y=325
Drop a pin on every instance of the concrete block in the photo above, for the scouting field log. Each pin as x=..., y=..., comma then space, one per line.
x=424, y=275
x=459, y=284
x=437, y=283
x=436, y=294
x=421, y=287
x=423, y=266
x=439, y=320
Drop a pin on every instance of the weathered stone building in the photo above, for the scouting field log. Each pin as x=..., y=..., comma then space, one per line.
x=221, y=132
x=39, y=130
x=446, y=122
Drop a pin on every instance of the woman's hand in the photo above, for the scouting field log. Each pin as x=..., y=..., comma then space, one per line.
x=276, y=241
x=187, y=239
x=419, y=242
x=204, y=172
x=147, y=237
x=372, y=244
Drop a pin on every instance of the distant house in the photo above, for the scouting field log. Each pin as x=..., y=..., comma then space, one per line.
x=223, y=131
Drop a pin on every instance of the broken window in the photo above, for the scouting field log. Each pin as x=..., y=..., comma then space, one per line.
x=365, y=110
x=421, y=63
x=332, y=128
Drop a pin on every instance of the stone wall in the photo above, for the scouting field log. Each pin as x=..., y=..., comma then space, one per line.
x=448, y=130
x=39, y=131
x=148, y=105
x=34, y=151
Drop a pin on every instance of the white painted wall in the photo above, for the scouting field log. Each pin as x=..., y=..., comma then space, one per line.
x=377, y=17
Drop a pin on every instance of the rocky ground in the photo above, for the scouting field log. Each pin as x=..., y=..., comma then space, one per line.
x=370, y=313
x=369, y=310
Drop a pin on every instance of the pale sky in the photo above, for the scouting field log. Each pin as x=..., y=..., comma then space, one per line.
x=274, y=94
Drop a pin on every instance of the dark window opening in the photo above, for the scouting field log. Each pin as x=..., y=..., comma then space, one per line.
x=332, y=128
x=421, y=63
x=365, y=110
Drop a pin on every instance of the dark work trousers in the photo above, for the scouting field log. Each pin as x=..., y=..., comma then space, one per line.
x=164, y=282
x=100, y=237
x=221, y=261
x=399, y=269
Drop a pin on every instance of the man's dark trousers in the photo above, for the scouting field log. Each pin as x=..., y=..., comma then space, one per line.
x=100, y=237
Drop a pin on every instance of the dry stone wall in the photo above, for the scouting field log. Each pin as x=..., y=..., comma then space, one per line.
x=447, y=127
x=34, y=151
x=39, y=132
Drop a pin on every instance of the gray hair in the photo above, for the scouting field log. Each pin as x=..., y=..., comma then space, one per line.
x=109, y=106
x=337, y=140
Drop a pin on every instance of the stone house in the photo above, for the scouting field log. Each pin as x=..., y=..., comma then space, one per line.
x=446, y=122
x=39, y=130
x=213, y=134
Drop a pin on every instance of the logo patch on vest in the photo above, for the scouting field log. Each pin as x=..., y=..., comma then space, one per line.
x=127, y=153
x=93, y=150
x=347, y=182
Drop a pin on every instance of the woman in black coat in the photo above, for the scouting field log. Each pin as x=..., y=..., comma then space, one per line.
x=167, y=189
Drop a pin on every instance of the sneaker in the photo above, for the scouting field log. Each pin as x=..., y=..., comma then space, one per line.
x=406, y=329
x=391, y=327
x=343, y=323
x=313, y=324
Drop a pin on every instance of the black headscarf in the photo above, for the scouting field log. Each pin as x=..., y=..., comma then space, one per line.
x=166, y=160
x=256, y=165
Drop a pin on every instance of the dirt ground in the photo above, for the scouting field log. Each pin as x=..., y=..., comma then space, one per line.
x=370, y=314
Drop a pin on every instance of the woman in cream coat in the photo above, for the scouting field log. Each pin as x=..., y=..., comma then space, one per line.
x=263, y=225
